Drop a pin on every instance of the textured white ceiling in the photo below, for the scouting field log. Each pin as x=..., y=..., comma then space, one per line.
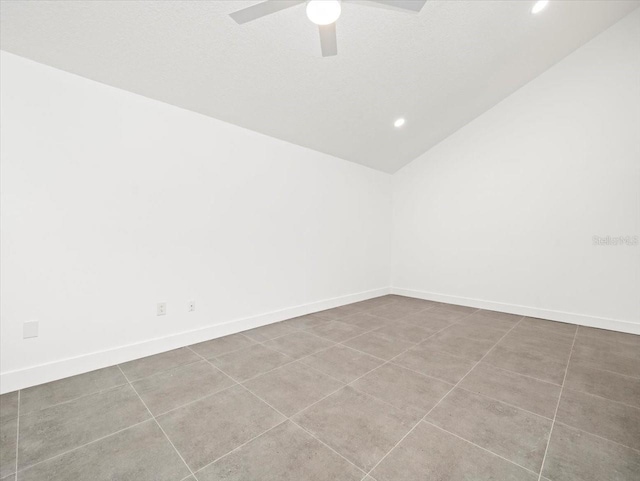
x=440, y=68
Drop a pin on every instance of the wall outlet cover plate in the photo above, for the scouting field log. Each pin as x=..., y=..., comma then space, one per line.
x=30, y=329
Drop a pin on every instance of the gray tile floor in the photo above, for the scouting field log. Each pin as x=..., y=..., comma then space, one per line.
x=389, y=389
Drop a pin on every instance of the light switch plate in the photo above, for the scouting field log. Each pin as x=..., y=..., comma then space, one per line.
x=30, y=329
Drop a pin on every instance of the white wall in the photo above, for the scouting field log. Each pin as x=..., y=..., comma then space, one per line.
x=502, y=213
x=112, y=202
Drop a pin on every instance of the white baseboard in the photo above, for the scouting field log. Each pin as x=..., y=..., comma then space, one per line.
x=569, y=317
x=32, y=376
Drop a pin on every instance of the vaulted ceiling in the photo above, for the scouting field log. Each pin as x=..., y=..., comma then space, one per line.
x=439, y=69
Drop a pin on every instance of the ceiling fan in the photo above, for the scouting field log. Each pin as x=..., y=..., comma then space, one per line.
x=323, y=13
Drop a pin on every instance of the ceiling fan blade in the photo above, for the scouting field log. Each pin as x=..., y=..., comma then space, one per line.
x=263, y=9
x=413, y=5
x=328, y=40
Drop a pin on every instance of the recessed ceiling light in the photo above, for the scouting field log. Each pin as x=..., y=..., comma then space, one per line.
x=399, y=123
x=323, y=12
x=539, y=6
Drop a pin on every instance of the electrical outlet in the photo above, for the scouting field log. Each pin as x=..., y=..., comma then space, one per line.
x=162, y=308
x=191, y=306
x=30, y=329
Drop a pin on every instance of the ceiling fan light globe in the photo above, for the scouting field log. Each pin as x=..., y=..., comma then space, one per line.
x=323, y=12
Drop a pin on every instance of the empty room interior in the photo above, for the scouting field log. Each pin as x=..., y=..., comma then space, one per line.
x=320, y=240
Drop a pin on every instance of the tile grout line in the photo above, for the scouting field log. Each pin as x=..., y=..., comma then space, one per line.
x=287, y=418
x=454, y=434
x=477, y=445
x=92, y=393
x=153, y=418
x=598, y=436
x=553, y=423
x=293, y=330
x=240, y=446
x=366, y=373
x=157, y=423
x=334, y=344
x=493, y=366
x=17, y=434
x=443, y=397
x=449, y=432
x=605, y=398
x=324, y=397
x=279, y=412
x=505, y=402
x=85, y=444
x=637, y=378
x=321, y=399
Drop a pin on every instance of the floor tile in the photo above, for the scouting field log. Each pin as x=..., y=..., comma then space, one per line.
x=536, y=396
x=482, y=319
x=460, y=309
x=222, y=345
x=406, y=390
x=604, y=383
x=366, y=321
x=608, y=344
x=577, y=456
x=439, y=364
x=95, y=426
x=174, y=388
x=293, y=387
x=561, y=339
x=406, y=332
x=375, y=302
x=502, y=429
x=249, y=362
x=298, y=344
x=434, y=319
x=379, y=345
x=342, y=363
x=8, y=437
x=550, y=348
x=553, y=326
x=608, y=419
x=423, y=303
x=606, y=360
x=270, y=331
x=428, y=453
x=285, y=453
x=396, y=310
x=473, y=331
x=141, y=453
x=207, y=429
x=336, y=331
x=609, y=336
x=148, y=366
x=9, y=405
x=357, y=426
x=304, y=322
x=51, y=393
x=512, y=318
x=459, y=345
x=340, y=312
x=432, y=324
x=57, y=429
x=527, y=362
